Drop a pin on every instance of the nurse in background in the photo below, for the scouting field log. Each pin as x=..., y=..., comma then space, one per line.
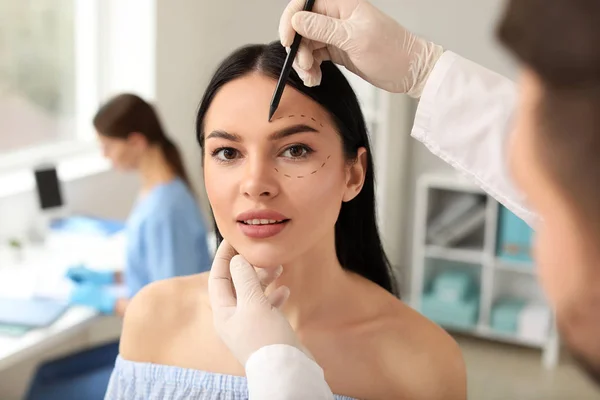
x=165, y=232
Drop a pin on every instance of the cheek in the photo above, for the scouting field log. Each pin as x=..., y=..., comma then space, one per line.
x=317, y=198
x=558, y=264
x=114, y=155
x=548, y=264
x=221, y=189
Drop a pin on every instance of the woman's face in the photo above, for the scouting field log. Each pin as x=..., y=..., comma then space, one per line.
x=276, y=188
x=123, y=154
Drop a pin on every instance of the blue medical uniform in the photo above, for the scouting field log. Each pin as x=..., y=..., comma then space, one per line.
x=166, y=237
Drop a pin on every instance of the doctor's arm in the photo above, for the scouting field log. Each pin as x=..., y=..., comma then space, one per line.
x=465, y=112
x=464, y=116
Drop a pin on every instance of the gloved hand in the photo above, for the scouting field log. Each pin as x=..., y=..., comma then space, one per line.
x=82, y=274
x=357, y=35
x=90, y=295
x=245, y=318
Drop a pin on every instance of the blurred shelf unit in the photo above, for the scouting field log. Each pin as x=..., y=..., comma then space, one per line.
x=472, y=271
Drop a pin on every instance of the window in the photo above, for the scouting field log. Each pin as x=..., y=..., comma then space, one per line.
x=48, y=76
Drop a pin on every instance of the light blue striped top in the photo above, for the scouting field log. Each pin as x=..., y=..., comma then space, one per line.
x=144, y=381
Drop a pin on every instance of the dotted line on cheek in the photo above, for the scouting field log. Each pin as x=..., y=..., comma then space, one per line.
x=312, y=173
x=322, y=165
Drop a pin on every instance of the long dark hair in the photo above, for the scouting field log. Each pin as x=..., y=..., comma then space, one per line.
x=357, y=241
x=127, y=113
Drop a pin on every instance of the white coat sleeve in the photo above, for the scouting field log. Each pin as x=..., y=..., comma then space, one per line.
x=282, y=372
x=464, y=117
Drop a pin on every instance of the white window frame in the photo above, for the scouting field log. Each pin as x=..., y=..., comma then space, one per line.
x=88, y=20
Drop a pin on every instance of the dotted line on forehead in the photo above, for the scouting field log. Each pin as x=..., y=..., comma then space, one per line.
x=300, y=116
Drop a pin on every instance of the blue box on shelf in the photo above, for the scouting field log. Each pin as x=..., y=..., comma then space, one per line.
x=451, y=286
x=452, y=299
x=514, y=237
x=505, y=315
x=461, y=314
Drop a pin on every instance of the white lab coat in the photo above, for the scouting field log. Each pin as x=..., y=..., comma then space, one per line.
x=464, y=117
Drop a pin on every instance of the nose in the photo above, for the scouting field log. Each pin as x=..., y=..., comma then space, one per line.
x=258, y=181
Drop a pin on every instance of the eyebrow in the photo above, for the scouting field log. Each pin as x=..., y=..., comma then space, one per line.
x=277, y=135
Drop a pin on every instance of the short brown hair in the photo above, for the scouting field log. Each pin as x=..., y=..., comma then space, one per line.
x=559, y=41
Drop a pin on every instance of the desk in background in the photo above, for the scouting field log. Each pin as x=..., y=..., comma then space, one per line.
x=41, y=273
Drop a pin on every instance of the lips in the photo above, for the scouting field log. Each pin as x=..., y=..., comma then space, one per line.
x=261, y=224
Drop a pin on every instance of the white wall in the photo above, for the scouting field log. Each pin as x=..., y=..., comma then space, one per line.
x=467, y=28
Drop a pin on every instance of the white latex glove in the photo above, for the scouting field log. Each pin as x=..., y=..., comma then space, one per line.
x=245, y=318
x=357, y=35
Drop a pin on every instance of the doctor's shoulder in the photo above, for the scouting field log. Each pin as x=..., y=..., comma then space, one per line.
x=158, y=315
x=422, y=361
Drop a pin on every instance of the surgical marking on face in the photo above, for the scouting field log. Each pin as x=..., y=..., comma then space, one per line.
x=322, y=165
x=312, y=173
x=299, y=116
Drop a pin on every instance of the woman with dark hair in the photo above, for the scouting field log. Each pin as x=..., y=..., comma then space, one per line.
x=297, y=192
x=533, y=147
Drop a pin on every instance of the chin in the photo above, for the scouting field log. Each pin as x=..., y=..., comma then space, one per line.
x=580, y=339
x=264, y=254
x=588, y=364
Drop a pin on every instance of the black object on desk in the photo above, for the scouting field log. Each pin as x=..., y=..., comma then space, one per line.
x=48, y=188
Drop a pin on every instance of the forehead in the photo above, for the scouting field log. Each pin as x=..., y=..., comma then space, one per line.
x=244, y=103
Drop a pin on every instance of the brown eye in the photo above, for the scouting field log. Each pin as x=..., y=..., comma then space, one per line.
x=229, y=154
x=296, y=151
x=225, y=154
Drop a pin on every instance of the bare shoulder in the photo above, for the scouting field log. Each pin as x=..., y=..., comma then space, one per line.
x=426, y=362
x=157, y=312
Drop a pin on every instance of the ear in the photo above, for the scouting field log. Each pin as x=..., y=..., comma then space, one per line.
x=355, y=175
x=137, y=139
